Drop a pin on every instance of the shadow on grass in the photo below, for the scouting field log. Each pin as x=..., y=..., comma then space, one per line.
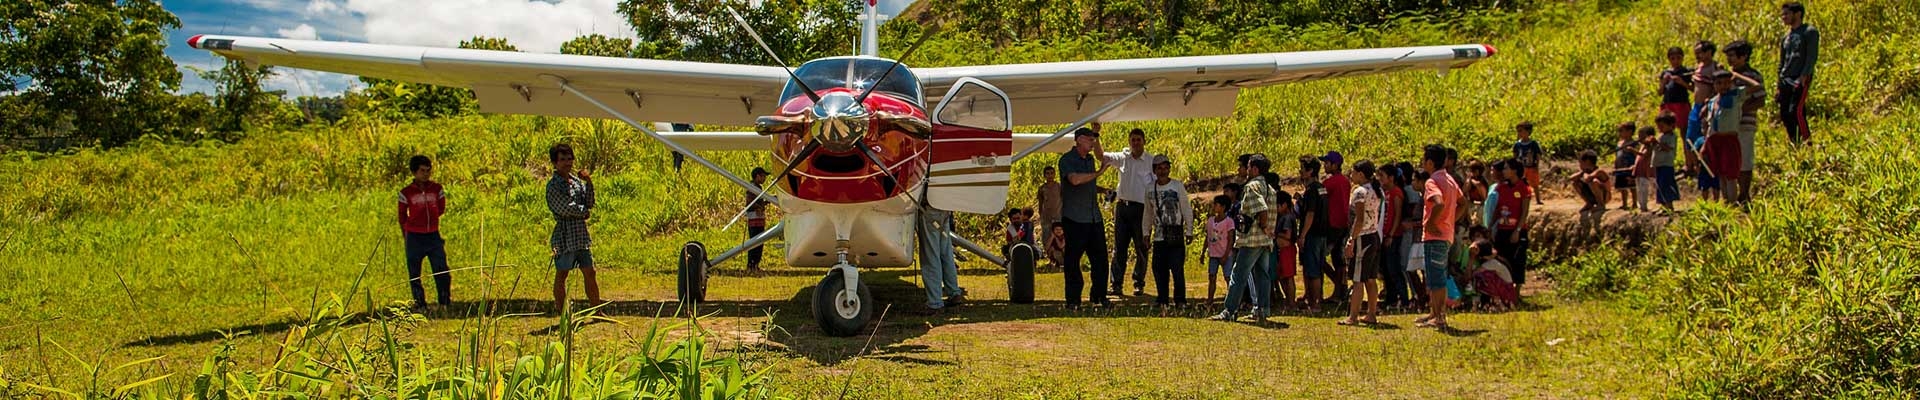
x=896, y=292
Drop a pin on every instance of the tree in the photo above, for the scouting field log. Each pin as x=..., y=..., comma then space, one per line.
x=240, y=100
x=402, y=101
x=95, y=66
x=701, y=30
x=598, y=45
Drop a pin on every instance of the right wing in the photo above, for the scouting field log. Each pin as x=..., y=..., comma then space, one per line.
x=515, y=83
x=1180, y=87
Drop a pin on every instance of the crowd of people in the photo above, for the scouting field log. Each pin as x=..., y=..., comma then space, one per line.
x=1432, y=236
x=1393, y=235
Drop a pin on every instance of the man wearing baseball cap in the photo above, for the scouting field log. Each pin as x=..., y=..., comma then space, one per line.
x=756, y=218
x=1080, y=217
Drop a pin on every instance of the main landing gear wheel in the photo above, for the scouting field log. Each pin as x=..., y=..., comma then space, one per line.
x=693, y=273
x=837, y=313
x=1020, y=261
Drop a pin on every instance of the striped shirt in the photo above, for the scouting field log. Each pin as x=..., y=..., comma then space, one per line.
x=1256, y=199
x=570, y=199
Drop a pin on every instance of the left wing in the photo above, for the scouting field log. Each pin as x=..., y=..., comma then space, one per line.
x=510, y=82
x=1181, y=87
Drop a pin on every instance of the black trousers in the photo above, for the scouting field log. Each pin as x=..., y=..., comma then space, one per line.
x=1513, y=247
x=1792, y=102
x=1089, y=240
x=1342, y=266
x=1393, y=276
x=753, y=254
x=1126, y=236
x=1170, y=260
x=429, y=247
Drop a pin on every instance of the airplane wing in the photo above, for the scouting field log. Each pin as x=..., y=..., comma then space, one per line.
x=513, y=83
x=1180, y=87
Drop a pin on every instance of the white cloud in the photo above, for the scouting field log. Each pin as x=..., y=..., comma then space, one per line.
x=531, y=25
x=302, y=32
x=321, y=7
x=300, y=82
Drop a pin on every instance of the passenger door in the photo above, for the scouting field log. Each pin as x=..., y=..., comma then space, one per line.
x=972, y=149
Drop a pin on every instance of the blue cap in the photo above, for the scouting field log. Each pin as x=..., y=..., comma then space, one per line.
x=1333, y=157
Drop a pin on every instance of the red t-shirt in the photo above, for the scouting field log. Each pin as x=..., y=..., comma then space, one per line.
x=1339, y=191
x=1513, y=197
x=1390, y=220
x=420, y=207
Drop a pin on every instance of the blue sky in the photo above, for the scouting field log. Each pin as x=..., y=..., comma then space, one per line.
x=531, y=25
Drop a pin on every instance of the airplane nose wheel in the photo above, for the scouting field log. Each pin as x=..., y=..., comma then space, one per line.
x=838, y=312
x=693, y=273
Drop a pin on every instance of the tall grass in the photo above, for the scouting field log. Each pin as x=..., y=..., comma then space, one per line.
x=1807, y=295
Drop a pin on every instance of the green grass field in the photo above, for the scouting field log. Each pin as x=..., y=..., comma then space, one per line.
x=167, y=249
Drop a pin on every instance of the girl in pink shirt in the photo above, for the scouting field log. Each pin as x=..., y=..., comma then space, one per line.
x=1219, y=242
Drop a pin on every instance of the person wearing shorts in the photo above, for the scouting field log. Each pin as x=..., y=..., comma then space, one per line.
x=570, y=198
x=1364, y=206
x=1528, y=152
x=1442, y=199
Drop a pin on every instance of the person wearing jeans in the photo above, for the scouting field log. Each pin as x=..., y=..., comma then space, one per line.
x=421, y=204
x=1252, y=243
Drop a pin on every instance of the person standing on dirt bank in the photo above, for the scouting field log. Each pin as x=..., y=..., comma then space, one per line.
x=570, y=199
x=1080, y=215
x=421, y=204
x=1799, y=51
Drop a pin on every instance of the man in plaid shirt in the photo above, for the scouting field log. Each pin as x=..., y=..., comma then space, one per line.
x=1253, y=240
x=570, y=198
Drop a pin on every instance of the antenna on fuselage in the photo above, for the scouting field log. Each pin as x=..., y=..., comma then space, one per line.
x=776, y=57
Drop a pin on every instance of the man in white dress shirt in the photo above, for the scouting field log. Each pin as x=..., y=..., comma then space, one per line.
x=1136, y=177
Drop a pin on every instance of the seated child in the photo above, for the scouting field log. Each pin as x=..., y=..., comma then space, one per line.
x=1057, y=245
x=1492, y=279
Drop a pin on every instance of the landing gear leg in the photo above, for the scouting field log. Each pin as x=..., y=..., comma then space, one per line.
x=841, y=303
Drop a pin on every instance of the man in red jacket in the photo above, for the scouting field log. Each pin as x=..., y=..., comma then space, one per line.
x=421, y=204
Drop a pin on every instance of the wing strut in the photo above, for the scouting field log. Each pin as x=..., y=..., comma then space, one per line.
x=655, y=135
x=1083, y=121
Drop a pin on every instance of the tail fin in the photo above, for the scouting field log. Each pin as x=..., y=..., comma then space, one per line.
x=870, y=30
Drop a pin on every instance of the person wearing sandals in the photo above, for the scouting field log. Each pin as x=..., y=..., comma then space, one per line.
x=1442, y=199
x=1364, y=245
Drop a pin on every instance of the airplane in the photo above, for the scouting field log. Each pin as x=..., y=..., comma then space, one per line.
x=864, y=153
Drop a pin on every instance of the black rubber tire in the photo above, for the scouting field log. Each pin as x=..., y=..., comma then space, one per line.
x=693, y=273
x=828, y=317
x=1020, y=263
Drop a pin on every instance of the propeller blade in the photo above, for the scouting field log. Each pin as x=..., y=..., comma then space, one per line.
x=805, y=151
x=892, y=181
x=776, y=57
x=924, y=35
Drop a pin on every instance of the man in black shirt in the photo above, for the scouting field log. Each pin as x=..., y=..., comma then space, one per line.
x=1799, y=51
x=1080, y=216
x=1316, y=221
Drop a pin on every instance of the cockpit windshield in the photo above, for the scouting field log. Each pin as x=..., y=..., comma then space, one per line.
x=837, y=72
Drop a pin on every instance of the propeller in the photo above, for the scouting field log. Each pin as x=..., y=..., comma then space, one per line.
x=924, y=35
x=776, y=56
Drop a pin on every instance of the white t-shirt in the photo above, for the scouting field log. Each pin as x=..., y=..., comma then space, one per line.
x=1365, y=206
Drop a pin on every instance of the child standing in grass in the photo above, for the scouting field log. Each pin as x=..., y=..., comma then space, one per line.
x=421, y=204
x=1666, y=185
x=1364, y=245
x=1510, y=223
x=1286, y=234
x=1703, y=90
x=1219, y=242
